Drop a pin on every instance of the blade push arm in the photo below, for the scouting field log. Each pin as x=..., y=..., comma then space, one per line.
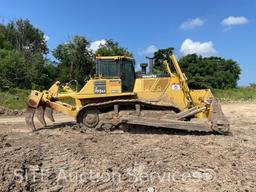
x=182, y=78
x=180, y=75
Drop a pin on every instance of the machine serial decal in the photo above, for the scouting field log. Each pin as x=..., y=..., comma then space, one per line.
x=99, y=87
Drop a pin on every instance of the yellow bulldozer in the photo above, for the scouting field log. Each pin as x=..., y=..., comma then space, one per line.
x=116, y=96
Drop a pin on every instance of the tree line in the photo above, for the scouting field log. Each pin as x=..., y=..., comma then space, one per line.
x=24, y=62
x=204, y=72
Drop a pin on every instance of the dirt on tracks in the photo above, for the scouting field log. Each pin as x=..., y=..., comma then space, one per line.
x=64, y=158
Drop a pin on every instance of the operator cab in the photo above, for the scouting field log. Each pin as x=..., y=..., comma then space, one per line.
x=117, y=67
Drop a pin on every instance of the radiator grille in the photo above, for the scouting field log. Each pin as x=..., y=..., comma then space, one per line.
x=148, y=84
x=155, y=84
x=161, y=85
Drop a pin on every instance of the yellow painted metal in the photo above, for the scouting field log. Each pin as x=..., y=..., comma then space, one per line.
x=34, y=98
x=54, y=89
x=172, y=90
x=199, y=97
x=113, y=86
x=62, y=107
x=113, y=57
x=167, y=67
x=182, y=78
x=165, y=90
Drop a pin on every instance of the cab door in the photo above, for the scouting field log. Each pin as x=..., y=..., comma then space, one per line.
x=127, y=76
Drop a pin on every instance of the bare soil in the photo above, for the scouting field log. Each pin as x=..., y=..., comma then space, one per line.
x=63, y=157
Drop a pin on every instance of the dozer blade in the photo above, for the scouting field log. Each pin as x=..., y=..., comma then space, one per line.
x=29, y=118
x=49, y=114
x=219, y=121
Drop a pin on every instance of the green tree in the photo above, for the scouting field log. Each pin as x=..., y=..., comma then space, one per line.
x=44, y=72
x=4, y=43
x=203, y=72
x=210, y=72
x=160, y=55
x=23, y=60
x=112, y=48
x=23, y=36
x=12, y=69
x=75, y=59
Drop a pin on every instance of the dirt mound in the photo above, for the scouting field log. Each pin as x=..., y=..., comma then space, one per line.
x=68, y=159
x=10, y=112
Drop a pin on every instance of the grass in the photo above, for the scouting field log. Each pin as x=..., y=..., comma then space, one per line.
x=238, y=94
x=14, y=98
x=17, y=98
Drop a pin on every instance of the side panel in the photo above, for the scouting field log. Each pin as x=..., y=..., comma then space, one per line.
x=88, y=88
x=101, y=90
x=163, y=90
x=102, y=86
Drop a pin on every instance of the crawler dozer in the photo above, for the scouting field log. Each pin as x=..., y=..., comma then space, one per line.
x=116, y=96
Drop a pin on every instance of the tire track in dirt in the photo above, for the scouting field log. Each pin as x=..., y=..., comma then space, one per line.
x=190, y=158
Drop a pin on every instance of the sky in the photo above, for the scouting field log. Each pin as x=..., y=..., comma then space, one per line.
x=225, y=28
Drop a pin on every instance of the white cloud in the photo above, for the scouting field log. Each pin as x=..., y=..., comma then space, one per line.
x=95, y=45
x=46, y=37
x=231, y=20
x=151, y=49
x=191, y=24
x=204, y=49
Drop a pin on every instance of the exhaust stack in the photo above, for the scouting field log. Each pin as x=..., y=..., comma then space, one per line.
x=151, y=62
x=143, y=68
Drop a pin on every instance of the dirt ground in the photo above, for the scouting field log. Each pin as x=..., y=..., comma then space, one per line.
x=64, y=158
